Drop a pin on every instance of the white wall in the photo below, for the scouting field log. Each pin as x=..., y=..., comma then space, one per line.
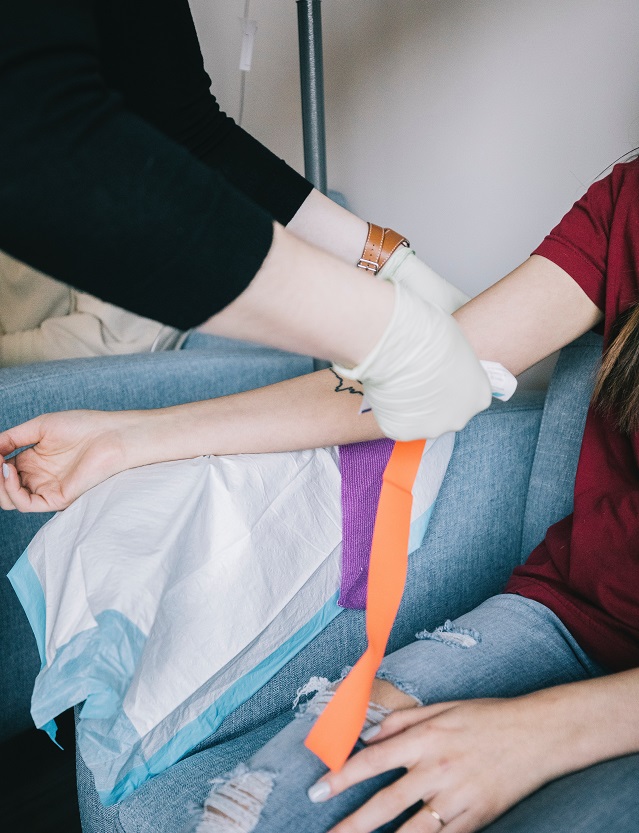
x=470, y=126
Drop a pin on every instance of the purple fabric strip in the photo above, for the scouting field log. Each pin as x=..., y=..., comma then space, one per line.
x=362, y=466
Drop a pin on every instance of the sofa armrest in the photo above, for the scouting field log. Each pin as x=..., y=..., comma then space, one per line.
x=142, y=380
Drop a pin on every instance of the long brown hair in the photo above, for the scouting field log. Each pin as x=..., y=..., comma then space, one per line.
x=616, y=391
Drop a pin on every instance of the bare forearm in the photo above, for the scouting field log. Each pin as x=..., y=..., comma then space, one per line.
x=589, y=721
x=325, y=224
x=312, y=411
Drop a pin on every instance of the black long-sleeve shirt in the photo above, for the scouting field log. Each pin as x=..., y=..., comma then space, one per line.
x=119, y=173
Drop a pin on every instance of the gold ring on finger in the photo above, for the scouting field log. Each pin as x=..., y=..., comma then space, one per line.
x=434, y=814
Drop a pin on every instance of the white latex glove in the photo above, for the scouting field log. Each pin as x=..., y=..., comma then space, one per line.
x=404, y=267
x=422, y=378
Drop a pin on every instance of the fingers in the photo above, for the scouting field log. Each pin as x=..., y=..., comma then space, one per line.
x=28, y=433
x=439, y=811
x=13, y=495
x=399, y=749
x=403, y=719
x=7, y=443
x=385, y=806
x=424, y=822
x=395, y=753
x=14, y=438
x=443, y=751
x=5, y=501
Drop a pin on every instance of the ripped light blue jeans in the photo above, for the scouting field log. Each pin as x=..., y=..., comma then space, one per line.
x=505, y=647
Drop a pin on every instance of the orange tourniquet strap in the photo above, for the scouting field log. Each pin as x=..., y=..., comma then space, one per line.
x=337, y=729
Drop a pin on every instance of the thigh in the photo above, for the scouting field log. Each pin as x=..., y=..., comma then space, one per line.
x=505, y=647
x=599, y=799
x=267, y=792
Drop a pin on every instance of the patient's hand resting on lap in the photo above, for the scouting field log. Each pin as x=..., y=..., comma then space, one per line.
x=469, y=760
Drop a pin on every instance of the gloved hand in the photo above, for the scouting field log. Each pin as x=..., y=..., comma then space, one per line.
x=404, y=267
x=423, y=377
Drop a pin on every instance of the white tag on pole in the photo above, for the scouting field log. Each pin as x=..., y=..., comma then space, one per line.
x=249, y=28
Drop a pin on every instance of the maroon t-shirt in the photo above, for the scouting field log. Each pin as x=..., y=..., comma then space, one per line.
x=587, y=568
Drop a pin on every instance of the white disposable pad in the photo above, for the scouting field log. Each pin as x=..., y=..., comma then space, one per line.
x=166, y=596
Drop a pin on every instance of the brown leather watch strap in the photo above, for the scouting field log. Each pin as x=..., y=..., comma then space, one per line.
x=380, y=245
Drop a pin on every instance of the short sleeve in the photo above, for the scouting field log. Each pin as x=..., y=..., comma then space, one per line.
x=579, y=242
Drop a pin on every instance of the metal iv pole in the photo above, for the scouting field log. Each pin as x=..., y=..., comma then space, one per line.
x=309, y=23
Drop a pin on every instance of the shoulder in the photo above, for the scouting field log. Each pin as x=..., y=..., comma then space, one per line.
x=621, y=181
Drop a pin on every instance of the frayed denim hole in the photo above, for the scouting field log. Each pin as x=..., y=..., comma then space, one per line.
x=400, y=685
x=318, y=691
x=374, y=715
x=452, y=635
x=235, y=802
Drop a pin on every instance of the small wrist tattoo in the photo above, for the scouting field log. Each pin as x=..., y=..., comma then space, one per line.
x=342, y=388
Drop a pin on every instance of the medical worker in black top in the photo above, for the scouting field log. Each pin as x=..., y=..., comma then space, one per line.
x=120, y=175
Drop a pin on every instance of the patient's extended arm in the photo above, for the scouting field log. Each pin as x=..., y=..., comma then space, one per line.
x=529, y=314
x=76, y=450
